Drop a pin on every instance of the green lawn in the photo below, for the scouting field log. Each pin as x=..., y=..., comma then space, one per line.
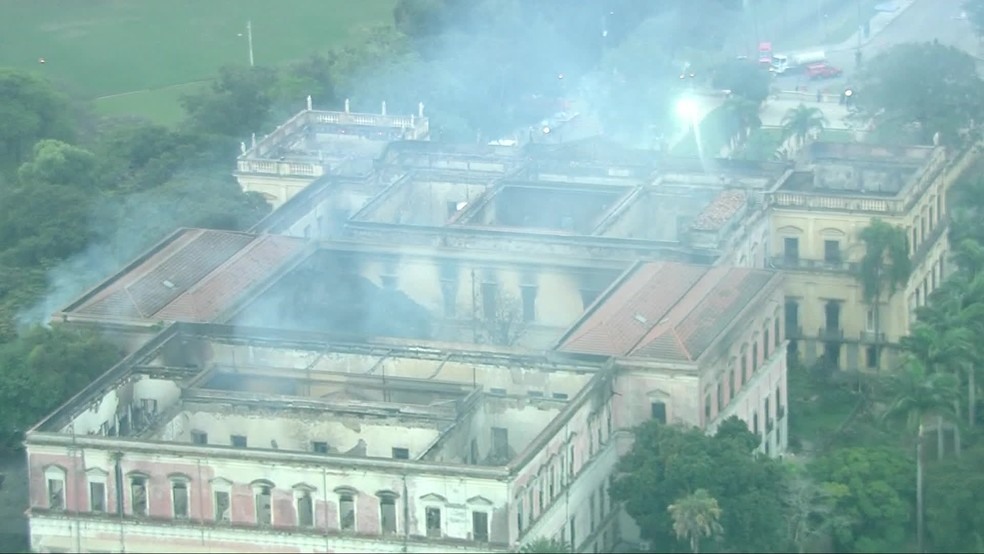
x=818, y=408
x=96, y=48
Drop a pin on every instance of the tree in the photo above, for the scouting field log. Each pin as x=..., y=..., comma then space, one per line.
x=871, y=492
x=810, y=510
x=927, y=87
x=44, y=368
x=743, y=115
x=668, y=462
x=955, y=503
x=694, y=516
x=883, y=269
x=57, y=163
x=544, y=545
x=801, y=122
x=918, y=395
x=31, y=109
x=238, y=102
x=744, y=78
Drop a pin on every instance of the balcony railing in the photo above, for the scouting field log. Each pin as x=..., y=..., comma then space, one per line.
x=810, y=201
x=871, y=337
x=831, y=333
x=793, y=332
x=803, y=264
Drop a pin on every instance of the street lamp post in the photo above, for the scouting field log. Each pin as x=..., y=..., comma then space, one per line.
x=249, y=41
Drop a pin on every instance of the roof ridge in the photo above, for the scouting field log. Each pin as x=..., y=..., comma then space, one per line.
x=636, y=345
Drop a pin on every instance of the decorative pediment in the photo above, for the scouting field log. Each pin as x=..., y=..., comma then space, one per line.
x=304, y=487
x=789, y=230
x=431, y=497
x=220, y=482
x=179, y=477
x=387, y=494
x=479, y=501
x=263, y=483
x=346, y=490
x=96, y=472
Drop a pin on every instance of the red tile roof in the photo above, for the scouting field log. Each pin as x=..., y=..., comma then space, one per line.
x=193, y=277
x=720, y=211
x=666, y=310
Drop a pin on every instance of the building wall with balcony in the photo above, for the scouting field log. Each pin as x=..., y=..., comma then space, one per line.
x=242, y=503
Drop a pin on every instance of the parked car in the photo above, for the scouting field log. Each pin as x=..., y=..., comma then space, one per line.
x=823, y=71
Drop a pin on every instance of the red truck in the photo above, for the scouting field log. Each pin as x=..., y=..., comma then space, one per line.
x=823, y=70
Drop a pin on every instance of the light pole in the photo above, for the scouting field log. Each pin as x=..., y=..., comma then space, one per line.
x=249, y=41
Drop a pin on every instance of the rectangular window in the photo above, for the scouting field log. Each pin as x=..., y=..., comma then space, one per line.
x=571, y=458
x=97, y=497
x=199, y=437
x=744, y=367
x=433, y=518
x=657, y=410
x=778, y=332
x=790, y=248
x=480, y=526
x=869, y=321
x=755, y=356
x=179, y=499
x=831, y=251
x=222, y=512
x=871, y=357
x=138, y=496
x=401, y=453
x=387, y=514
x=765, y=344
x=319, y=447
x=529, y=303
x=707, y=408
x=573, y=536
x=490, y=300
x=732, y=389
x=500, y=442
x=346, y=512
x=56, y=494
x=305, y=510
x=720, y=396
x=768, y=416
x=519, y=514
x=264, y=512
x=449, y=292
x=780, y=410
x=238, y=441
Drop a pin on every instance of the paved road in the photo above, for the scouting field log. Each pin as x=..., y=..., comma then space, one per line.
x=923, y=21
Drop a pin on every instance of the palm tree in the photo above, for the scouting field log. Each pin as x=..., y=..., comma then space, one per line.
x=917, y=396
x=694, y=516
x=883, y=269
x=802, y=121
x=544, y=545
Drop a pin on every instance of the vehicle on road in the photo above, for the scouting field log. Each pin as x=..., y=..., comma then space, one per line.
x=823, y=70
x=782, y=63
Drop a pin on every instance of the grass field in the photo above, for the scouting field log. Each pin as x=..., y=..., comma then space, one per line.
x=138, y=56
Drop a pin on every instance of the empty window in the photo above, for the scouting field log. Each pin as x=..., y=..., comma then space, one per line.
x=529, y=302
x=871, y=357
x=480, y=526
x=571, y=459
x=720, y=396
x=490, y=300
x=401, y=453
x=239, y=441
x=755, y=423
x=869, y=320
x=305, y=510
x=449, y=291
x=519, y=514
x=744, y=366
x=791, y=249
x=777, y=332
x=500, y=442
x=707, y=408
x=387, y=514
x=97, y=497
x=199, y=437
x=222, y=512
x=765, y=343
x=755, y=356
x=346, y=512
x=264, y=512
x=657, y=411
x=779, y=407
x=433, y=521
x=731, y=383
x=56, y=494
x=179, y=498
x=138, y=495
x=831, y=251
x=573, y=536
x=319, y=447
x=550, y=482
